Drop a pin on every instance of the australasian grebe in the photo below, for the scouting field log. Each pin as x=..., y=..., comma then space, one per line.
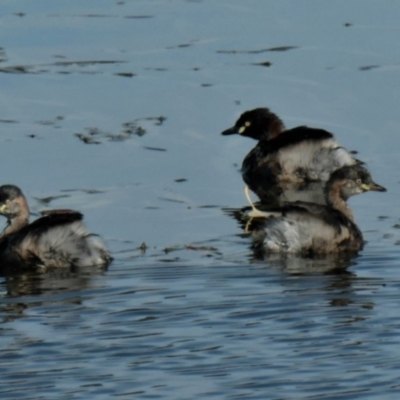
x=308, y=228
x=58, y=239
x=297, y=155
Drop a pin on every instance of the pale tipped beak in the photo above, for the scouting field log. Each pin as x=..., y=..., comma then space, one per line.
x=230, y=131
x=373, y=186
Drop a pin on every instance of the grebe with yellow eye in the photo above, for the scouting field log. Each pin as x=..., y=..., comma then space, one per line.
x=308, y=228
x=299, y=155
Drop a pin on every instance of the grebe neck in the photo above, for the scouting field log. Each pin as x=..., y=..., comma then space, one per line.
x=335, y=199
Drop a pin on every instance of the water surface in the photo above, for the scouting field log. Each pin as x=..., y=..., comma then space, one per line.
x=115, y=108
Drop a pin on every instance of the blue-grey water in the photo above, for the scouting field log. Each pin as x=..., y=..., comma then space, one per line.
x=114, y=108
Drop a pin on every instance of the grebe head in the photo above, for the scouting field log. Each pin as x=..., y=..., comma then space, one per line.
x=12, y=202
x=258, y=124
x=350, y=180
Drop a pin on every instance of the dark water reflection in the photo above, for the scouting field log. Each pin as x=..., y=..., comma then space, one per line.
x=115, y=108
x=209, y=331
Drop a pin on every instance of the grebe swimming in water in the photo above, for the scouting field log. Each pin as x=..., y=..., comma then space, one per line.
x=308, y=228
x=282, y=157
x=58, y=239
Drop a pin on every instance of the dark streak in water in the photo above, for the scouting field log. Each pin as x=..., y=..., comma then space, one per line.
x=49, y=199
x=17, y=69
x=154, y=148
x=282, y=48
x=156, y=69
x=85, y=62
x=263, y=64
x=96, y=16
x=35, y=69
x=206, y=349
x=125, y=74
x=101, y=16
x=139, y=16
x=172, y=200
x=279, y=48
x=87, y=191
x=182, y=45
x=368, y=67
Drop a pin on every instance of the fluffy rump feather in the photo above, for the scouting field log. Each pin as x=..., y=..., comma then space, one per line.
x=57, y=245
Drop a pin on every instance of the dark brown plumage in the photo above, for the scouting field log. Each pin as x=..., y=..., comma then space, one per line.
x=296, y=156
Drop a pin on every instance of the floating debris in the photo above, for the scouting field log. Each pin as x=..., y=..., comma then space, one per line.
x=130, y=128
x=143, y=247
x=86, y=139
x=94, y=135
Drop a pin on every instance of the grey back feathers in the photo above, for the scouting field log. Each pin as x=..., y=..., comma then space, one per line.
x=61, y=246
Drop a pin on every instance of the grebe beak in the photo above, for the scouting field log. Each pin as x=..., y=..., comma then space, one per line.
x=230, y=131
x=373, y=186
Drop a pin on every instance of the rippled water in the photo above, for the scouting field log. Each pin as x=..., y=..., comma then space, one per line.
x=115, y=108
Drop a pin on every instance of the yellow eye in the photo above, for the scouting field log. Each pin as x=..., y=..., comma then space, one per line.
x=247, y=124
